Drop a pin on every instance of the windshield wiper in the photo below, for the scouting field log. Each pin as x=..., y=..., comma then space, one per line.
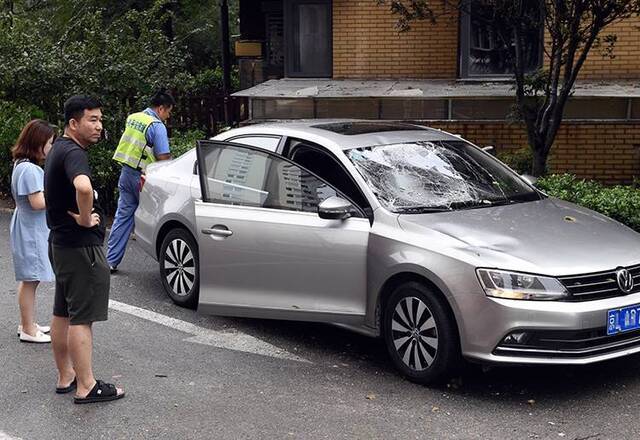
x=458, y=206
x=424, y=209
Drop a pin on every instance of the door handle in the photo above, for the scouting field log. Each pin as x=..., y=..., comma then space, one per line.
x=218, y=230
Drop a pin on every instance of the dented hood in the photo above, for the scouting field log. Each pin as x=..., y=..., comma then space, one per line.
x=549, y=236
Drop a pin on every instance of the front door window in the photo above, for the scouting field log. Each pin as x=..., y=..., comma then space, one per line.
x=248, y=177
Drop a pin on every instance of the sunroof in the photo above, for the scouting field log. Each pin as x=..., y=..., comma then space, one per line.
x=355, y=128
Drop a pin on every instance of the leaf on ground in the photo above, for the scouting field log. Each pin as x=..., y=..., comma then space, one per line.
x=371, y=396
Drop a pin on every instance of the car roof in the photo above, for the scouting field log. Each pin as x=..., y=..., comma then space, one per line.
x=347, y=133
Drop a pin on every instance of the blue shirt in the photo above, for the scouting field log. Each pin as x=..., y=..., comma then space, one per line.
x=157, y=135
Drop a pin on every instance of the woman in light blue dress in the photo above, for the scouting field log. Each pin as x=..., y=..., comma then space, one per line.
x=29, y=231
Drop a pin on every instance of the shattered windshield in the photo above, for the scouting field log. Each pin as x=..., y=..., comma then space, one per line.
x=437, y=176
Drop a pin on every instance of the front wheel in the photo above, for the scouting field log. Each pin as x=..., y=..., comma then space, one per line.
x=420, y=334
x=179, y=268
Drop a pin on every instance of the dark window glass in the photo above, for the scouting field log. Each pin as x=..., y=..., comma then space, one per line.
x=325, y=166
x=487, y=46
x=309, y=45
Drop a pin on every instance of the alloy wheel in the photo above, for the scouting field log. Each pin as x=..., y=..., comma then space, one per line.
x=179, y=265
x=414, y=333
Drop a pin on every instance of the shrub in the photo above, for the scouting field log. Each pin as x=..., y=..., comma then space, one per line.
x=13, y=118
x=619, y=202
x=181, y=142
x=520, y=160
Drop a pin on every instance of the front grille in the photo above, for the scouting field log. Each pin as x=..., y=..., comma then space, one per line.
x=568, y=343
x=599, y=285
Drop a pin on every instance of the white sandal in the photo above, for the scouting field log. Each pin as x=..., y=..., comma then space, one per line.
x=39, y=338
x=40, y=328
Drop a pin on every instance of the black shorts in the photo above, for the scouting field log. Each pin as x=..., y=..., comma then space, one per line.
x=82, y=283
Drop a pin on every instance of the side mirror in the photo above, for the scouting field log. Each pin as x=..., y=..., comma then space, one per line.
x=529, y=179
x=334, y=208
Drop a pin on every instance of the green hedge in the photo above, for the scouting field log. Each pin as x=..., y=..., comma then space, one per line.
x=621, y=203
x=13, y=118
x=105, y=170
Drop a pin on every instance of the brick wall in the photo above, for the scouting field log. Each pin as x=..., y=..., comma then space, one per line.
x=626, y=63
x=607, y=152
x=366, y=45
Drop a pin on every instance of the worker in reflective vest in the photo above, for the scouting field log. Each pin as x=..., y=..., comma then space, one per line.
x=144, y=141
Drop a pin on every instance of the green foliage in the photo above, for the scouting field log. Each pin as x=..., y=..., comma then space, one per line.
x=208, y=81
x=13, y=118
x=184, y=141
x=520, y=160
x=621, y=203
x=120, y=54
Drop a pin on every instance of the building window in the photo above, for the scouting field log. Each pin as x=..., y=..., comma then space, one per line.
x=483, y=52
x=309, y=38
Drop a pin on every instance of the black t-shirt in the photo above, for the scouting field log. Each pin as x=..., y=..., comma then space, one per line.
x=65, y=162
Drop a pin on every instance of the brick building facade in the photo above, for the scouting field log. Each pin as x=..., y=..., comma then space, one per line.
x=344, y=58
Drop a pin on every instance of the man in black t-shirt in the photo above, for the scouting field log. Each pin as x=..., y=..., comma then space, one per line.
x=76, y=254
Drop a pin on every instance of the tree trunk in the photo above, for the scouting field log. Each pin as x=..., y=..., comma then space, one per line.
x=540, y=155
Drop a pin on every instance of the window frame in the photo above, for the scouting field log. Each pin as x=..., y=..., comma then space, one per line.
x=235, y=139
x=464, y=48
x=204, y=188
x=318, y=148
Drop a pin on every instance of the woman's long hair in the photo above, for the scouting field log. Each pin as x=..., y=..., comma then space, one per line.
x=32, y=139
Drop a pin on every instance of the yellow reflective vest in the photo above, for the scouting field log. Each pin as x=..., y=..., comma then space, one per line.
x=133, y=149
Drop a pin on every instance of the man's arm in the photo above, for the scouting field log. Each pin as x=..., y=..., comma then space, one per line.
x=158, y=137
x=84, y=199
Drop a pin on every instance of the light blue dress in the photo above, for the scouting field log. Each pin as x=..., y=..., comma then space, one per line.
x=29, y=231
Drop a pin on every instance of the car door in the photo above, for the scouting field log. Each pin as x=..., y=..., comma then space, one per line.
x=264, y=250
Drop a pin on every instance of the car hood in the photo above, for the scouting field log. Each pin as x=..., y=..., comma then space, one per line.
x=548, y=236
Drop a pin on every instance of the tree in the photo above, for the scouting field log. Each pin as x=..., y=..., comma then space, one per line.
x=572, y=29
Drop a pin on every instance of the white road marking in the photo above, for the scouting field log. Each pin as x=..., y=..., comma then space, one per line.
x=4, y=436
x=230, y=340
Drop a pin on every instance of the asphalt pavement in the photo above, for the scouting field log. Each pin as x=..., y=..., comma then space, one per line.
x=189, y=376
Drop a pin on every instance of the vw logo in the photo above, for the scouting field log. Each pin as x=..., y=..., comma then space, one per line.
x=625, y=280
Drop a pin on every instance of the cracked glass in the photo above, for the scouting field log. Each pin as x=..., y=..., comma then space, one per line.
x=415, y=177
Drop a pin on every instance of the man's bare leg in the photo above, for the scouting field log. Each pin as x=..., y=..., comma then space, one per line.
x=59, y=333
x=80, y=350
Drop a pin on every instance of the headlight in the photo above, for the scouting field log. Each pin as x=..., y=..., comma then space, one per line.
x=513, y=285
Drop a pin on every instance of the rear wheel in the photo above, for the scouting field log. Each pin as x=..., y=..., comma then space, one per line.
x=179, y=268
x=420, y=334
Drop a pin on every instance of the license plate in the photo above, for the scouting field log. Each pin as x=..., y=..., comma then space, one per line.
x=623, y=320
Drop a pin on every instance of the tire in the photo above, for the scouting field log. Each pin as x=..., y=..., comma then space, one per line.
x=180, y=268
x=423, y=345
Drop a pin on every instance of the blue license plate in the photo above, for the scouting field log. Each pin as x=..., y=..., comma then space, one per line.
x=623, y=320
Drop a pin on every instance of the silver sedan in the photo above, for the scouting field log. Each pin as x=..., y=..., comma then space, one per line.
x=392, y=230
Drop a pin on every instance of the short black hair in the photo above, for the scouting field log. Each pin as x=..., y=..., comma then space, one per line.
x=162, y=97
x=75, y=106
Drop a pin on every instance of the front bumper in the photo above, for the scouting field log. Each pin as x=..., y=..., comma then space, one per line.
x=538, y=332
